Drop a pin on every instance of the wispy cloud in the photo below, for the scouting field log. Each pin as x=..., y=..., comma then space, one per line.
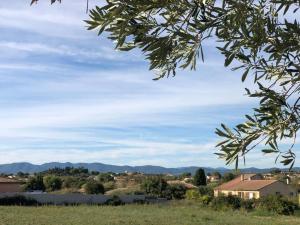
x=67, y=95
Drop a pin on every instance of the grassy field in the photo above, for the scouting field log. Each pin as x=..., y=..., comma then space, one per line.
x=168, y=214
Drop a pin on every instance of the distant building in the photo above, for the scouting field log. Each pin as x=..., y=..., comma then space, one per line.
x=249, y=186
x=213, y=178
x=10, y=185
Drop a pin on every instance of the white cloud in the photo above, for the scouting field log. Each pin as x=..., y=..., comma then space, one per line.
x=58, y=79
x=80, y=54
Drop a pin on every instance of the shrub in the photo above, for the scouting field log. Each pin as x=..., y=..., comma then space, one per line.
x=93, y=187
x=228, y=177
x=276, y=204
x=114, y=201
x=35, y=183
x=248, y=204
x=175, y=191
x=109, y=186
x=155, y=186
x=206, y=190
x=52, y=183
x=206, y=199
x=18, y=200
x=104, y=177
x=192, y=195
x=222, y=202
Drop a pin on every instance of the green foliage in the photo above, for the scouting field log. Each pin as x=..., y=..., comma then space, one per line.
x=93, y=187
x=114, y=201
x=192, y=195
x=35, y=183
x=155, y=186
x=104, y=177
x=18, y=200
x=199, y=177
x=228, y=177
x=52, y=183
x=206, y=199
x=175, y=191
x=258, y=36
x=206, y=190
x=185, y=175
x=226, y=202
x=276, y=204
x=67, y=171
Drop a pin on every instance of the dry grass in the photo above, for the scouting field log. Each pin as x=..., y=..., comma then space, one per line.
x=178, y=213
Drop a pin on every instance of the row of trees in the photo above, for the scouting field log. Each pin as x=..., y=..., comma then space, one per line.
x=51, y=183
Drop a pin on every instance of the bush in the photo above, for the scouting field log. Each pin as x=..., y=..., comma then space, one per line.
x=52, y=183
x=206, y=190
x=109, y=186
x=114, y=201
x=206, y=199
x=192, y=195
x=18, y=200
x=175, y=191
x=35, y=183
x=223, y=202
x=276, y=204
x=104, y=177
x=93, y=187
x=248, y=204
x=155, y=186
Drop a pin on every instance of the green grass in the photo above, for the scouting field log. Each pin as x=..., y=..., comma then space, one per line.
x=167, y=214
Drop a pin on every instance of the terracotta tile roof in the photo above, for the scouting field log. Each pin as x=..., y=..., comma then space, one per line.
x=245, y=185
x=9, y=180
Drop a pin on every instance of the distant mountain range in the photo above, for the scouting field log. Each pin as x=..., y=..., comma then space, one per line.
x=148, y=169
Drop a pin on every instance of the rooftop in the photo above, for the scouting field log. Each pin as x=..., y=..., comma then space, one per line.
x=246, y=184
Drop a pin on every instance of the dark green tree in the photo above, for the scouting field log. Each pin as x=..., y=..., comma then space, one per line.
x=35, y=183
x=155, y=186
x=52, y=183
x=228, y=177
x=200, y=178
x=261, y=38
x=93, y=187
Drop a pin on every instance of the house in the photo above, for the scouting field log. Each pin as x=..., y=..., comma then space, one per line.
x=10, y=185
x=248, y=186
x=213, y=178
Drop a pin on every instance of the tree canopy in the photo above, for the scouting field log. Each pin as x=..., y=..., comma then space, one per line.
x=260, y=38
x=199, y=177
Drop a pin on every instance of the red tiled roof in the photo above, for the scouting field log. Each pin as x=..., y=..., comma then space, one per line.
x=245, y=185
x=9, y=180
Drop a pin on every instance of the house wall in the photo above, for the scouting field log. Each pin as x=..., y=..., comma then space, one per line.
x=278, y=188
x=10, y=187
x=241, y=194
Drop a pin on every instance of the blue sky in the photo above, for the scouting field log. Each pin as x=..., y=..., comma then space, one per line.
x=67, y=95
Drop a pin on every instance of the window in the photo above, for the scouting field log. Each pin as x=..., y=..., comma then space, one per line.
x=251, y=195
x=291, y=193
x=277, y=193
